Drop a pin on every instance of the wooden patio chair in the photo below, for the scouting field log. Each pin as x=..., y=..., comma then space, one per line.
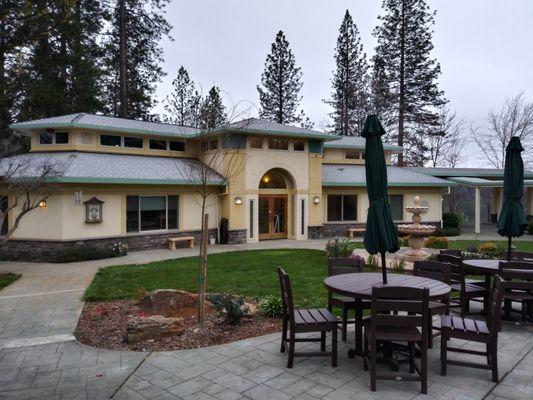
x=338, y=266
x=441, y=272
x=519, y=287
x=468, y=290
x=303, y=321
x=477, y=331
x=522, y=256
x=386, y=324
x=452, y=252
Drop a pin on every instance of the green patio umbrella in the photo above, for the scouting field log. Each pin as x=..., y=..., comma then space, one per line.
x=512, y=220
x=380, y=234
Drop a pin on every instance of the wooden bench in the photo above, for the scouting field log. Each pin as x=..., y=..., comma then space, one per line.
x=172, y=241
x=353, y=231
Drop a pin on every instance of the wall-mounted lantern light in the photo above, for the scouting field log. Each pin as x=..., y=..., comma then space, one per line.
x=42, y=203
x=78, y=194
x=93, y=210
x=316, y=200
x=238, y=201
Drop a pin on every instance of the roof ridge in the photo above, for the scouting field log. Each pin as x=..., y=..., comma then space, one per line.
x=77, y=117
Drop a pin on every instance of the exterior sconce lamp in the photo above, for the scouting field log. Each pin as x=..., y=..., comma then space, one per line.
x=316, y=200
x=238, y=200
x=42, y=203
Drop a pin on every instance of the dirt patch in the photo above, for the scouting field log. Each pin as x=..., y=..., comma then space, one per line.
x=103, y=325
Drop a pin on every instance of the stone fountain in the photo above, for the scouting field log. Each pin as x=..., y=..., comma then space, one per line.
x=416, y=231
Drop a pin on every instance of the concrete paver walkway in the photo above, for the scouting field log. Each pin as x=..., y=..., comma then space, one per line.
x=39, y=359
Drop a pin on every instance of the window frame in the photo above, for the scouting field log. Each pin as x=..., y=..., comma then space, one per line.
x=54, y=138
x=341, y=220
x=402, y=208
x=260, y=138
x=107, y=145
x=347, y=152
x=176, y=141
x=166, y=229
x=294, y=146
x=132, y=137
x=279, y=139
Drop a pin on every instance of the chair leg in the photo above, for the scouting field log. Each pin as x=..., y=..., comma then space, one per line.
x=334, y=346
x=344, y=323
x=290, y=361
x=365, y=354
x=424, y=367
x=283, y=335
x=323, y=341
x=494, y=361
x=411, y=357
x=443, y=351
x=430, y=330
x=373, y=365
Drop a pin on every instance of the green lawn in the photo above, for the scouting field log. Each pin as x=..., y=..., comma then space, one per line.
x=248, y=273
x=8, y=279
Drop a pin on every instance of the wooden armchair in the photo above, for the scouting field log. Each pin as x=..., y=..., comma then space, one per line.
x=477, y=331
x=302, y=321
x=519, y=287
x=441, y=272
x=386, y=324
x=522, y=256
x=338, y=266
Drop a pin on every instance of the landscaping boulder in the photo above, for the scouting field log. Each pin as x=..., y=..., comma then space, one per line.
x=153, y=327
x=172, y=303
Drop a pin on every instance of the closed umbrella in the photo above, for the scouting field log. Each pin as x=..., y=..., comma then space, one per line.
x=380, y=233
x=512, y=220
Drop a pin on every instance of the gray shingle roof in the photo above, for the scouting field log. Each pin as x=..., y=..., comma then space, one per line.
x=356, y=143
x=90, y=121
x=78, y=167
x=355, y=175
x=466, y=172
x=261, y=126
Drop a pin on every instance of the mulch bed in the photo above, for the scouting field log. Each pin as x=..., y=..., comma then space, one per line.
x=103, y=325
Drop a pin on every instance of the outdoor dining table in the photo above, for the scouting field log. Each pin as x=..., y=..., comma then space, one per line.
x=359, y=287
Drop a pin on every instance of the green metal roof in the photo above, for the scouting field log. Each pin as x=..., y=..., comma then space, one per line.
x=466, y=172
x=356, y=143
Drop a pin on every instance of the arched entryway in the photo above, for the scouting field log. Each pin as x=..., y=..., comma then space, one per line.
x=274, y=216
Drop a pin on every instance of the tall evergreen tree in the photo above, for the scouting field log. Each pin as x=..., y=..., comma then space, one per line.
x=404, y=46
x=380, y=95
x=280, y=92
x=183, y=103
x=350, y=81
x=134, y=56
x=213, y=112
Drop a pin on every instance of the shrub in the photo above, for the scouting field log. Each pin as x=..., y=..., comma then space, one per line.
x=451, y=220
x=436, y=242
x=487, y=248
x=448, y=231
x=85, y=252
x=398, y=265
x=272, y=306
x=530, y=227
x=372, y=261
x=231, y=308
x=339, y=248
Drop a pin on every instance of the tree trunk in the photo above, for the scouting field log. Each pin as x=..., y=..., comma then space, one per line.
x=123, y=67
x=402, y=88
x=4, y=106
x=203, y=266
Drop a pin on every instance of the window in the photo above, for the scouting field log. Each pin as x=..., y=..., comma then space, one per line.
x=303, y=218
x=363, y=155
x=272, y=180
x=111, y=140
x=256, y=142
x=278, y=144
x=210, y=145
x=61, y=137
x=133, y=142
x=156, y=144
x=176, y=146
x=396, y=206
x=3, y=207
x=149, y=213
x=298, y=145
x=251, y=219
x=353, y=155
x=342, y=207
x=46, y=138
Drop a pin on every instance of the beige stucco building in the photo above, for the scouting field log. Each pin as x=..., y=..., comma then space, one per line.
x=270, y=181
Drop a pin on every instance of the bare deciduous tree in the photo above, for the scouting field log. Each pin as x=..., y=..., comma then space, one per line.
x=514, y=118
x=26, y=181
x=219, y=163
x=446, y=144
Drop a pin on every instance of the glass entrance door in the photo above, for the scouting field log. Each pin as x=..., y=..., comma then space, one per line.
x=272, y=216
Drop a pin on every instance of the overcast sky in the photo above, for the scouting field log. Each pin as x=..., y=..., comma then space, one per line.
x=484, y=47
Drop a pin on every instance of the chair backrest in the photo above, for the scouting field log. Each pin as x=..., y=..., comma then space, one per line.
x=451, y=252
x=439, y=271
x=344, y=265
x=522, y=256
x=389, y=301
x=457, y=273
x=509, y=270
x=495, y=305
x=286, y=295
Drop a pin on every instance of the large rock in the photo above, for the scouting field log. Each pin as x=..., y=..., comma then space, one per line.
x=153, y=327
x=172, y=303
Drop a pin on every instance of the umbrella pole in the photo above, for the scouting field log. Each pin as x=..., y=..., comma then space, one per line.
x=509, y=249
x=383, y=268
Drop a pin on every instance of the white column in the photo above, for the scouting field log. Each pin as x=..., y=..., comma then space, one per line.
x=477, y=213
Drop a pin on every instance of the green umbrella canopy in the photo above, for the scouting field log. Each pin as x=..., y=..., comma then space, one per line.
x=512, y=220
x=380, y=233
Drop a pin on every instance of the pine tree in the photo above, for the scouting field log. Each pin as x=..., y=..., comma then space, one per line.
x=404, y=46
x=183, y=103
x=380, y=95
x=134, y=56
x=280, y=92
x=213, y=111
x=305, y=121
x=350, y=81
